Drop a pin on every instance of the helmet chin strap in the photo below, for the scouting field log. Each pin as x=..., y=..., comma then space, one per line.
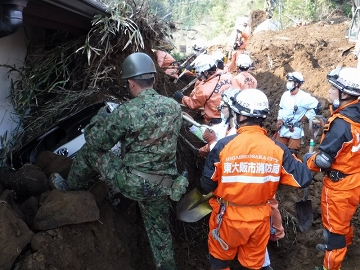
x=336, y=103
x=296, y=85
x=229, y=117
x=239, y=122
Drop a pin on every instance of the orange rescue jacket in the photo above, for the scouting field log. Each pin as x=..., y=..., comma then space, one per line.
x=207, y=94
x=341, y=141
x=247, y=168
x=244, y=80
x=165, y=60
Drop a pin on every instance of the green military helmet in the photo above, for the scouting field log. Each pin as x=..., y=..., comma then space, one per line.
x=138, y=66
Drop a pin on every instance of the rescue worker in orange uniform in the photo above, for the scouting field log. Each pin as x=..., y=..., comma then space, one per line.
x=244, y=80
x=338, y=157
x=206, y=95
x=167, y=63
x=241, y=41
x=227, y=128
x=244, y=171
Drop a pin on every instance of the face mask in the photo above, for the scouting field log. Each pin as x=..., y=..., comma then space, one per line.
x=290, y=86
x=336, y=103
x=223, y=117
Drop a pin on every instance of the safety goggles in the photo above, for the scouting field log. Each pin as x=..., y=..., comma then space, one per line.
x=290, y=77
x=222, y=106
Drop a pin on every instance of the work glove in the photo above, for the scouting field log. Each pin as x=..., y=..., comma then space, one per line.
x=196, y=151
x=209, y=136
x=178, y=96
x=179, y=186
x=356, y=55
x=279, y=124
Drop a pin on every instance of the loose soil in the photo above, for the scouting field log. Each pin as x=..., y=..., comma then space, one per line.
x=118, y=240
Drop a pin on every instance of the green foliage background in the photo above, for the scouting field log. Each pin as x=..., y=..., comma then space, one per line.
x=208, y=19
x=220, y=15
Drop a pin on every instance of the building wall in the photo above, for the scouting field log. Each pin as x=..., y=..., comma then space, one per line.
x=12, y=52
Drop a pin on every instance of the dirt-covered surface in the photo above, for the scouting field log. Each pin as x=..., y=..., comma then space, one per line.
x=117, y=239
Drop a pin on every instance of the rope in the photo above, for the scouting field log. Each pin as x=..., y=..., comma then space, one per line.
x=215, y=232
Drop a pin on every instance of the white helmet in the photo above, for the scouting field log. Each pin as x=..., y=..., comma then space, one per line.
x=203, y=63
x=251, y=103
x=228, y=97
x=244, y=61
x=241, y=26
x=346, y=80
x=217, y=56
x=296, y=77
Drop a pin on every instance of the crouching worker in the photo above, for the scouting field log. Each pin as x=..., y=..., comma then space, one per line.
x=148, y=127
x=339, y=157
x=244, y=171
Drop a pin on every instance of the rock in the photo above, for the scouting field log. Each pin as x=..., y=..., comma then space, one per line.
x=50, y=162
x=8, y=197
x=29, y=208
x=14, y=236
x=2, y=188
x=33, y=261
x=28, y=181
x=66, y=207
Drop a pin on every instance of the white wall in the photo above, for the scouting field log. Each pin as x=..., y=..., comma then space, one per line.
x=12, y=51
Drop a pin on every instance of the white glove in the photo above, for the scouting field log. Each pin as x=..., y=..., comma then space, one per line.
x=356, y=54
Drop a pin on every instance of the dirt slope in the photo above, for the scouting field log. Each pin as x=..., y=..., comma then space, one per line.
x=118, y=240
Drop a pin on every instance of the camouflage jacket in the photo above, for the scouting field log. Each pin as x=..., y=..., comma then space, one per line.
x=148, y=127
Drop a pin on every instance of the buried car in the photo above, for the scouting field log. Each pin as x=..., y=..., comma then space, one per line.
x=65, y=138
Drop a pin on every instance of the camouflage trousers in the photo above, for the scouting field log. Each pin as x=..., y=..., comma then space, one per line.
x=152, y=199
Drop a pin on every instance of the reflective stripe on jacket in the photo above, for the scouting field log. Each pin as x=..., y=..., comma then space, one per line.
x=247, y=168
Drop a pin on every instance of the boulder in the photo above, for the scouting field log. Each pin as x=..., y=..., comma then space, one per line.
x=28, y=181
x=66, y=207
x=14, y=236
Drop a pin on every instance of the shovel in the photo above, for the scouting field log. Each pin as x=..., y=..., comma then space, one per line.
x=193, y=206
x=304, y=212
x=303, y=208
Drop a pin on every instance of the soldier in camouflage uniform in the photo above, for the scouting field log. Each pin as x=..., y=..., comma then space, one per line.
x=148, y=127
